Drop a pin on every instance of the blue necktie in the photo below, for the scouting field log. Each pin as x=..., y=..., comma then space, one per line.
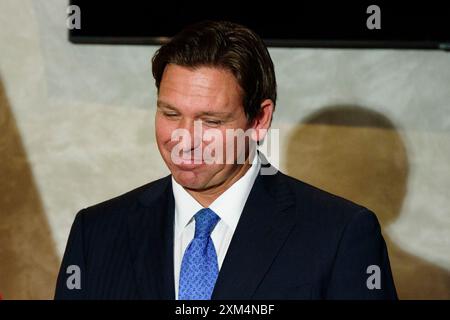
x=199, y=268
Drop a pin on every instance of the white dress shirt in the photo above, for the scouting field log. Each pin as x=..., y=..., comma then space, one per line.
x=228, y=206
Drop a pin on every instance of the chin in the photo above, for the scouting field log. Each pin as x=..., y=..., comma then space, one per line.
x=188, y=179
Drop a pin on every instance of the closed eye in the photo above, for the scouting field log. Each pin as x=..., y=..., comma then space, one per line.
x=170, y=114
x=213, y=122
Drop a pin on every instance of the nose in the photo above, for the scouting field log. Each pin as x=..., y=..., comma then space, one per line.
x=193, y=129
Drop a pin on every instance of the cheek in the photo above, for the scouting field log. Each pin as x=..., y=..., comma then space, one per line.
x=163, y=130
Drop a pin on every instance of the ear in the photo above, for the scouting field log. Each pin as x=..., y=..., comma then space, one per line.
x=262, y=121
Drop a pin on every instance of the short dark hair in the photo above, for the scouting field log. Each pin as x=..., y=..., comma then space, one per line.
x=226, y=45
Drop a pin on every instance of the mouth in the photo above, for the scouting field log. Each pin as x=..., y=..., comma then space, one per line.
x=187, y=163
x=190, y=164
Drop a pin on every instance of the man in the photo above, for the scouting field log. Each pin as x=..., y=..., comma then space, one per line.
x=221, y=229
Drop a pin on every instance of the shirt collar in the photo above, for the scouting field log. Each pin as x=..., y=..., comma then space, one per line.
x=228, y=206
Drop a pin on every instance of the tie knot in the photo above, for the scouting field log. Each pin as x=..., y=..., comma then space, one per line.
x=205, y=221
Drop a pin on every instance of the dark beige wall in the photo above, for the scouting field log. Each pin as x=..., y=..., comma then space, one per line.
x=28, y=257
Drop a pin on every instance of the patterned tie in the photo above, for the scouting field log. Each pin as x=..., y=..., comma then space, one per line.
x=199, y=268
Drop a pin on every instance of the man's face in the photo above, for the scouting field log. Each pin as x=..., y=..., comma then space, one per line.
x=211, y=95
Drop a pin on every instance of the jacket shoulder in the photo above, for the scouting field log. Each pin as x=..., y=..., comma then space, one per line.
x=323, y=207
x=121, y=204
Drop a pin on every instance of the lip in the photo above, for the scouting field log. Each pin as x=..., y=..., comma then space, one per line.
x=189, y=165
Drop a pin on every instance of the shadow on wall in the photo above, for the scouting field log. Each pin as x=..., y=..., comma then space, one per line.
x=358, y=154
x=28, y=258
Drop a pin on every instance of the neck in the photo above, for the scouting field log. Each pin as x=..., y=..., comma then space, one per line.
x=206, y=197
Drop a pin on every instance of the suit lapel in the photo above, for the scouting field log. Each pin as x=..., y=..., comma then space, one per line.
x=265, y=223
x=150, y=228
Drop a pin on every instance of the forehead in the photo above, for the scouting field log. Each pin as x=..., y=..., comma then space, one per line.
x=202, y=87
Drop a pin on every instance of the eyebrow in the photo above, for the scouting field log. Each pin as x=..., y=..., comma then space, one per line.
x=161, y=104
x=164, y=105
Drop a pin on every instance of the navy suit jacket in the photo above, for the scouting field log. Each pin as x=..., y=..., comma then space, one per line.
x=293, y=241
